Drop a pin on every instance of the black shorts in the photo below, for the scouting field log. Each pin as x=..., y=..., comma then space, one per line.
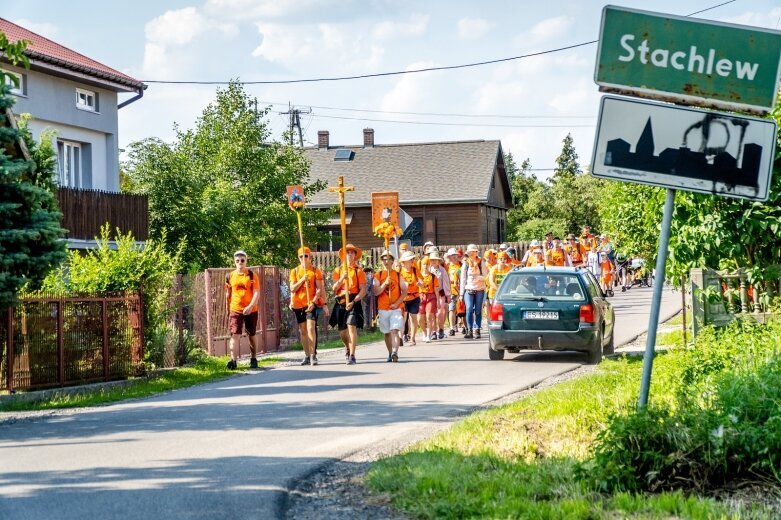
x=302, y=315
x=341, y=317
x=413, y=306
x=237, y=321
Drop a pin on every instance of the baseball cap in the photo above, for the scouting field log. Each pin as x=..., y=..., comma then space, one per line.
x=503, y=246
x=304, y=251
x=452, y=251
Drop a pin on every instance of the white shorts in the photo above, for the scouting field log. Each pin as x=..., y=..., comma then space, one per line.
x=390, y=320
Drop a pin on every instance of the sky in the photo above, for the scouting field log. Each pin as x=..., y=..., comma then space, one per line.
x=529, y=104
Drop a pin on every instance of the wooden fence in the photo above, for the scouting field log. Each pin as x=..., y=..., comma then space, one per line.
x=718, y=297
x=49, y=340
x=84, y=212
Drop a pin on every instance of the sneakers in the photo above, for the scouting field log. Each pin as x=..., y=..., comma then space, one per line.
x=253, y=363
x=477, y=333
x=433, y=336
x=395, y=357
x=351, y=361
x=623, y=288
x=305, y=361
x=405, y=338
x=390, y=358
x=441, y=334
x=463, y=330
x=452, y=332
x=232, y=364
x=468, y=335
x=426, y=339
x=314, y=359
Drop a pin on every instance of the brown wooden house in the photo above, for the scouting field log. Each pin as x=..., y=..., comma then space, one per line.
x=456, y=192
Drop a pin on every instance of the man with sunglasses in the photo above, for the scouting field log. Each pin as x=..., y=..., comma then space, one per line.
x=242, y=295
x=347, y=314
x=306, y=287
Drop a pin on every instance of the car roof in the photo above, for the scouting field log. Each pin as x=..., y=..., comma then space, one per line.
x=548, y=270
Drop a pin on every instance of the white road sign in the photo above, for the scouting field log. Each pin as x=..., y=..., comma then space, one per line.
x=684, y=148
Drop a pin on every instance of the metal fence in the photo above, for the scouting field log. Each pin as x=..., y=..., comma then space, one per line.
x=49, y=340
x=718, y=297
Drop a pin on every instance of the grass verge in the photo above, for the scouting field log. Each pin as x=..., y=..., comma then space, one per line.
x=202, y=371
x=530, y=458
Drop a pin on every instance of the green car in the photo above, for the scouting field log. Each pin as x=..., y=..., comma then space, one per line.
x=550, y=308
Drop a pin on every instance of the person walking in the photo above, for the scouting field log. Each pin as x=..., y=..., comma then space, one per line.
x=306, y=287
x=429, y=296
x=409, y=271
x=454, y=273
x=241, y=300
x=472, y=290
x=443, y=293
x=496, y=275
x=577, y=251
x=347, y=314
x=556, y=256
x=390, y=289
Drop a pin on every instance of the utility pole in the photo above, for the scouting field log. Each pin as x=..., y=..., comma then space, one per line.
x=295, y=122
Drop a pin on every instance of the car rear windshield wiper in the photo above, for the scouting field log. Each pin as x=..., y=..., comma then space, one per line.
x=531, y=298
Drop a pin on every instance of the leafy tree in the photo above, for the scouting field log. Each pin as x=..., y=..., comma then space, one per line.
x=30, y=229
x=221, y=186
x=567, y=165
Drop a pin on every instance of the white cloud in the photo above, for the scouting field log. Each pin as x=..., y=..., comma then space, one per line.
x=581, y=98
x=176, y=27
x=410, y=91
x=493, y=97
x=769, y=20
x=473, y=28
x=549, y=29
x=283, y=43
x=291, y=11
x=416, y=26
x=45, y=29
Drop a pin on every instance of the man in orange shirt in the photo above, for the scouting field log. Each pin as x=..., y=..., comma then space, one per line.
x=429, y=296
x=241, y=300
x=577, y=252
x=347, y=314
x=409, y=270
x=306, y=288
x=453, y=263
x=391, y=289
x=556, y=256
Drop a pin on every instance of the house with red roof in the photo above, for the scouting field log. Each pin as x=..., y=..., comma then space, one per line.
x=79, y=98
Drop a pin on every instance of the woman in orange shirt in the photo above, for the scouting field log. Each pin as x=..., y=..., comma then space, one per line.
x=429, y=296
x=607, y=273
x=409, y=271
x=496, y=274
x=306, y=288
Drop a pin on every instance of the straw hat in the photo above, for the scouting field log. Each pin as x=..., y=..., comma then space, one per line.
x=434, y=255
x=239, y=253
x=472, y=247
x=387, y=253
x=407, y=255
x=451, y=252
x=350, y=247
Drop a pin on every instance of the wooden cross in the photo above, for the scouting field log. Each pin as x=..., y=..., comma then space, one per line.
x=341, y=189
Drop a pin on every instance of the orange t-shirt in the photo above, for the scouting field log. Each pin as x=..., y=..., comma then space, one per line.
x=242, y=287
x=576, y=253
x=430, y=282
x=355, y=278
x=454, y=272
x=392, y=293
x=555, y=257
x=411, y=277
x=497, y=274
x=607, y=269
x=299, y=298
x=532, y=261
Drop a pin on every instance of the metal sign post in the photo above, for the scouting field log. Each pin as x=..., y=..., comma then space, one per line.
x=653, y=320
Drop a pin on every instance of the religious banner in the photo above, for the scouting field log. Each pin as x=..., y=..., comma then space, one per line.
x=295, y=197
x=385, y=215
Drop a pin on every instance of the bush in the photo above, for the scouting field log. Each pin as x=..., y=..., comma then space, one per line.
x=146, y=268
x=724, y=425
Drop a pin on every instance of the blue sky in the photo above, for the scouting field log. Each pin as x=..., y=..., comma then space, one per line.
x=212, y=40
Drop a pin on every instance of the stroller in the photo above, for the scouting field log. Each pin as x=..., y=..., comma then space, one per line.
x=642, y=275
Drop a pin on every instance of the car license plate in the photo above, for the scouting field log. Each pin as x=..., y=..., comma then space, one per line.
x=541, y=315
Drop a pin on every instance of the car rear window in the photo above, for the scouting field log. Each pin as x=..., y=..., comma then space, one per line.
x=555, y=287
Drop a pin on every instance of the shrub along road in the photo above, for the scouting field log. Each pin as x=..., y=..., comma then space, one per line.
x=232, y=448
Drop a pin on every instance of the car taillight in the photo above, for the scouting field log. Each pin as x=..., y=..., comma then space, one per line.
x=587, y=313
x=497, y=312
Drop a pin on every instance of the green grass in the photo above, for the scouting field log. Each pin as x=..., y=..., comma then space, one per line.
x=521, y=460
x=204, y=370
x=366, y=337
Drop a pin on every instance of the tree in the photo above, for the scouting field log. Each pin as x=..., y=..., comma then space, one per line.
x=221, y=186
x=30, y=229
x=567, y=165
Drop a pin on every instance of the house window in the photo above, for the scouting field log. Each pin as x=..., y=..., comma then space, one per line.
x=69, y=164
x=16, y=82
x=414, y=233
x=86, y=100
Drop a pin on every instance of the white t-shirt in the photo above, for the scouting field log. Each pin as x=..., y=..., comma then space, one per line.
x=592, y=260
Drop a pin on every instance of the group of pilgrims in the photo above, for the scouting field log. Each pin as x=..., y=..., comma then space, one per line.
x=432, y=296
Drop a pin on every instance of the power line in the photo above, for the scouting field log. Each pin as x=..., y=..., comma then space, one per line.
x=443, y=123
x=442, y=114
x=400, y=72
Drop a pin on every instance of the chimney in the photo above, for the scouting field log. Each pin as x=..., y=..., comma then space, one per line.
x=322, y=139
x=368, y=137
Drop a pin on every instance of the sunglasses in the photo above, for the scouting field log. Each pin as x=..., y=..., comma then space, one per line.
x=241, y=260
x=303, y=256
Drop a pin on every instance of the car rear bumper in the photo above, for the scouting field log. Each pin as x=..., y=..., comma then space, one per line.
x=581, y=340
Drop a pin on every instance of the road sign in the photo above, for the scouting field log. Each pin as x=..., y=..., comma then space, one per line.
x=680, y=59
x=684, y=148
x=404, y=220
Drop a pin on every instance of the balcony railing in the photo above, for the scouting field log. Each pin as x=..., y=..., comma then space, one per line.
x=86, y=211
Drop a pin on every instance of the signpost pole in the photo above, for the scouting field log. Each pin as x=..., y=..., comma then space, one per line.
x=661, y=260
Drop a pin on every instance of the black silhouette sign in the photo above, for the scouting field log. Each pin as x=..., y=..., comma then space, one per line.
x=684, y=148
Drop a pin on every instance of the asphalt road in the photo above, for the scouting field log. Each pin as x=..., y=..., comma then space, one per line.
x=231, y=449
